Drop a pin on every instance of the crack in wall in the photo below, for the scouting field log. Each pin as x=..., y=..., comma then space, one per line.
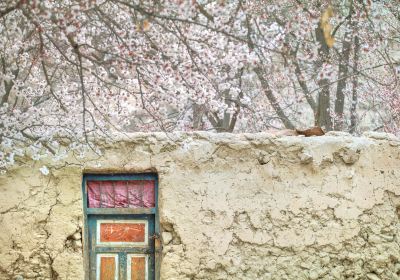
x=53, y=272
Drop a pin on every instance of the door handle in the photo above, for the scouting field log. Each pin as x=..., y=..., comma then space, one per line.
x=157, y=242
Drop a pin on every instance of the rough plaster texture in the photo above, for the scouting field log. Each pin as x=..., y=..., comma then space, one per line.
x=249, y=206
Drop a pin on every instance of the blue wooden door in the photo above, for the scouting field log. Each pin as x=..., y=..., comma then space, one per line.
x=121, y=224
x=121, y=247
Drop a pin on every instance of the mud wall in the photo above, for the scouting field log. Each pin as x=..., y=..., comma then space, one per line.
x=246, y=206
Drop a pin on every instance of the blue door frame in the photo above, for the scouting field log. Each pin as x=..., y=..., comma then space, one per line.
x=93, y=215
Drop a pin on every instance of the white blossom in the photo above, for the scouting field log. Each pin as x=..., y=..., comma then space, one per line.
x=44, y=170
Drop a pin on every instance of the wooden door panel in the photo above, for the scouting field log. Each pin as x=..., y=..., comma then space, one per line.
x=137, y=267
x=123, y=241
x=107, y=267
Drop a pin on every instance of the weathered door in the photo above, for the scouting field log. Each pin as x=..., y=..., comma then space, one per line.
x=121, y=247
x=120, y=226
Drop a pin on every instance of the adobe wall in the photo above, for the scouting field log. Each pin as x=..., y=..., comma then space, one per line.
x=245, y=206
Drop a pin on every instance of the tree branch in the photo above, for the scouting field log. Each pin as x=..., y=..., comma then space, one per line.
x=272, y=99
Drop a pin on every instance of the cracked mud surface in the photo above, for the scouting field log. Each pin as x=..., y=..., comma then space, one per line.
x=247, y=206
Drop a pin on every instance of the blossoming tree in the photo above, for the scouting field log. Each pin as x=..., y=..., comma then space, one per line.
x=72, y=70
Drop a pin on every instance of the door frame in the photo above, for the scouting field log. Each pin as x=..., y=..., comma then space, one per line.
x=129, y=213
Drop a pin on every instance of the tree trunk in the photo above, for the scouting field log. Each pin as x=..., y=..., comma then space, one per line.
x=198, y=112
x=354, y=99
x=341, y=86
x=323, y=117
